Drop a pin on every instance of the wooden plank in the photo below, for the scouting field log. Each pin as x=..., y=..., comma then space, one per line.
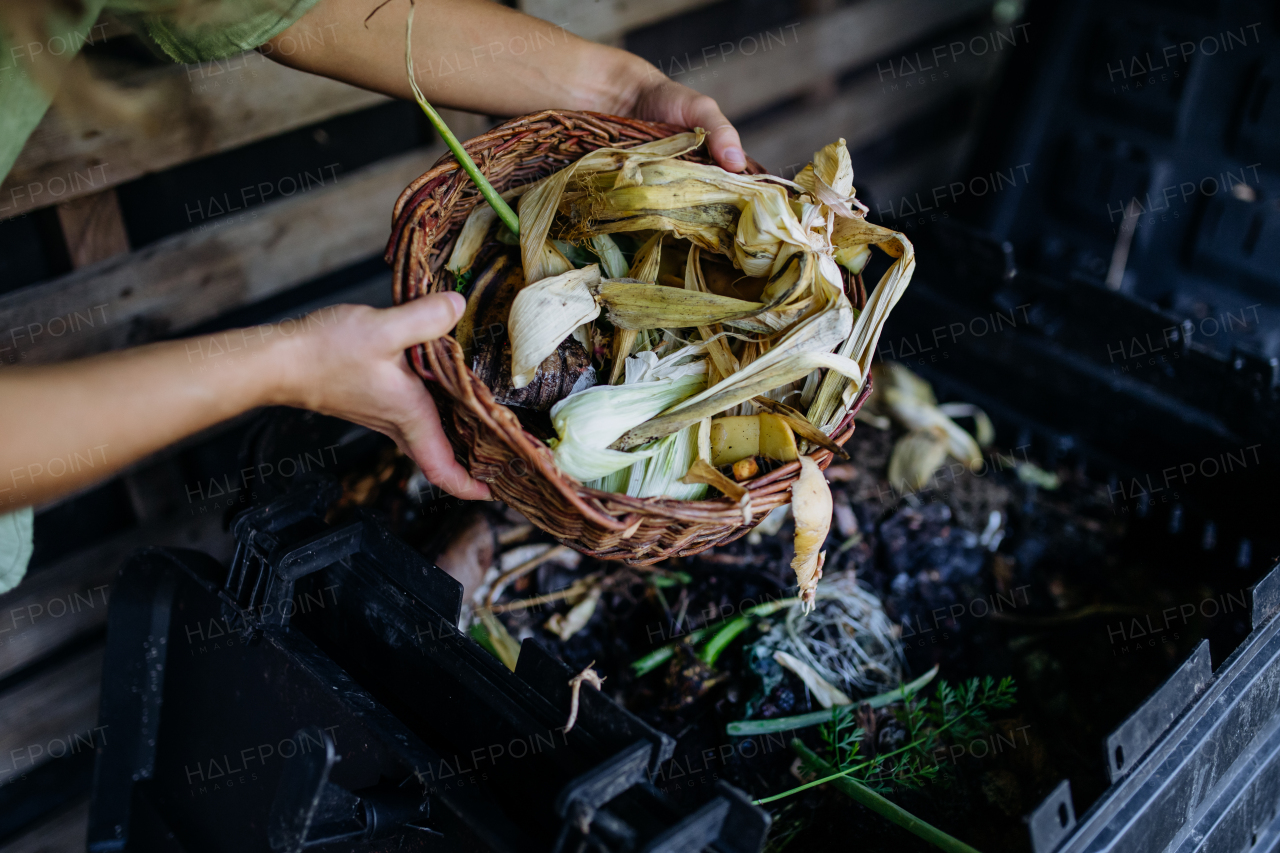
x=192, y=277
x=607, y=20
x=68, y=599
x=64, y=832
x=787, y=62
x=52, y=714
x=93, y=228
x=861, y=113
x=187, y=112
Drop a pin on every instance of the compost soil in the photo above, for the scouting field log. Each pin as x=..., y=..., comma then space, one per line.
x=1001, y=572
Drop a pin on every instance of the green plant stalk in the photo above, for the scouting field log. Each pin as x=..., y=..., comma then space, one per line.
x=658, y=657
x=837, y=774
x=736, y=626
x=504, y=211
x=746, y=728
x=878, y=804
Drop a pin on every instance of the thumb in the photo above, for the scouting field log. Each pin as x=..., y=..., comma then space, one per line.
x=722, y=139
x=423, y=319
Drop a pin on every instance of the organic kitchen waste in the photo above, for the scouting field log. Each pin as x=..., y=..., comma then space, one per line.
x=682, y=322
x=685, y=326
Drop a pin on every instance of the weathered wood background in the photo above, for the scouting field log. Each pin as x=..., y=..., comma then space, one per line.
x=85, y=268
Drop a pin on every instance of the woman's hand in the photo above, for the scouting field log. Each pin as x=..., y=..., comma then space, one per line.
x=660, y=98
x=350, y=363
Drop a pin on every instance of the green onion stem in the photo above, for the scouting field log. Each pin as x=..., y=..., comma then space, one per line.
x=747, y=728
x=504, y=211
x=734, y=627
x=878, y=804
x=658, y=657
x=725, y=633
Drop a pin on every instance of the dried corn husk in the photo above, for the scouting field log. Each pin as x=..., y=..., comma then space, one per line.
x=916, y=456
x=644, y=267
x=702, y=472
x=812, y=506
x=565, y=625
x=801, y=350
x=766, y=224
x=545, y=313
x=824, y=692
x=639, y=305
x=471, y=238
x=836, y=393
x=909, y=400
x=539, y=205
x=475, y=229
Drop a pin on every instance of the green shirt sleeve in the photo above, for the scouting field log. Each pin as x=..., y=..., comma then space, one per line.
x=225, y=29
x=15, y=546
x=23, y=101
x=185, y=32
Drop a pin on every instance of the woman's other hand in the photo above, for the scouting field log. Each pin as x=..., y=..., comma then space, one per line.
x=350, y=363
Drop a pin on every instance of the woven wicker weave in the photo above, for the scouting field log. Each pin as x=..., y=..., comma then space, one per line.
x=486, y=435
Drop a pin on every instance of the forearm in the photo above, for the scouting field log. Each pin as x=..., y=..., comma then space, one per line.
x=468, y=54
x=69, y=425
x=64, y=427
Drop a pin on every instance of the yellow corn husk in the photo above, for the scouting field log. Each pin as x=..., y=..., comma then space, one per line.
x=638, y=305
x=718, y=351
x=539, y=205
x=909, y=400
x=812, y=506
x=803, y=349
x=766, y=224
x=802, y=426
x=702, y=472
x=619, y=202
x=710, y=228
x=644, y=267
x=916, y=456
x=544, y=314
x=831, y=401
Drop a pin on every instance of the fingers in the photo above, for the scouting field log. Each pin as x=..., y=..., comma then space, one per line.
x=426, y=444
x=722, y=138
x=422, y=319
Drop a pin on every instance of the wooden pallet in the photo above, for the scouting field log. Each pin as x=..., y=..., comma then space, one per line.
x=118, y=296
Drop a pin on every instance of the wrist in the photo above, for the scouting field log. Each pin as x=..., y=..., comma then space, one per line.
x=279, y=370
x=616, y=80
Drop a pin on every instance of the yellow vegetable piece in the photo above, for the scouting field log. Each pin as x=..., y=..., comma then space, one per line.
x=734, y=438
x=777, y=441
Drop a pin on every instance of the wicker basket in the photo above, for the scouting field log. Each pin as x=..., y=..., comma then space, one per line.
x=486, y=435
